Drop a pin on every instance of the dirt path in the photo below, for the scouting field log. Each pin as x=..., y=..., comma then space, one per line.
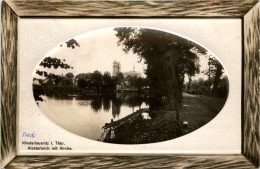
x=199, y=110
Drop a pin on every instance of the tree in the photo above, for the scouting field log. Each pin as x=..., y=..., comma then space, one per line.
x=72, y=43
x=107, y=79
x=166, y=56
x=223, y=87
x=132, y=81
x=215, y=71
x=118, y=79
x=82, y=83
x=97, y=78
x=199, y=86
x=52, y=62
x=139, y=82
x=68, y=82
x=218, y=71
x=70, y=79
x=192, y=66
x=49, y=62
x=70, y=75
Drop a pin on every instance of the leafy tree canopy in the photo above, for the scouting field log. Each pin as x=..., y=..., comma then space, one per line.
x=154, y=46
x=72, y=43
x=168, y=58
x=70, y=75
x=49, y=62
x=52, y=62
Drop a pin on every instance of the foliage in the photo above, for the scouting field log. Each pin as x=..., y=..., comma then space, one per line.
x=107, y=79
x=70, y=75
x=49, y=62
x=168, y=58
x=82, y=83
x=52, y=62
x=223, y=88
x=116, y=80
x=137, y=82
x=68, y=82
x=72, y=43
x=200, y=86
x=96, y=78
x=37, y=92
x=214, y=71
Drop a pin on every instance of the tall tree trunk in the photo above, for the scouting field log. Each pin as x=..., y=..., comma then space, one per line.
x=176, y=80
x=217, y=79
x=209, y=76
x=175, y=94
x=189, y=83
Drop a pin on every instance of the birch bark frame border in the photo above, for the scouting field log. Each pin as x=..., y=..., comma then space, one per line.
x=246, y=10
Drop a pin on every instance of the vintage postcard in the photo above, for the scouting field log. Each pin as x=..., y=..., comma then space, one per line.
x=120, y=86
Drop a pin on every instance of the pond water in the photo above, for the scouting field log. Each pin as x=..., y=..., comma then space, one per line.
x=85, y=116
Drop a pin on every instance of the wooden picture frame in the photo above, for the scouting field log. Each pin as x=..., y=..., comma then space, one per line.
x=246, y=10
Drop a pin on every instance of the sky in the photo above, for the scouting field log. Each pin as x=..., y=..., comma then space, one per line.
x=98, y=50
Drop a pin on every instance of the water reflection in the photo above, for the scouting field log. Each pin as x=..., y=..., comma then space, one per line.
x=104, y=101
x=106, y=104
x=96, y=104
x=86, y=115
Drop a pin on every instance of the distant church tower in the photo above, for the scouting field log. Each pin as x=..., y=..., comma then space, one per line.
x=116, y=68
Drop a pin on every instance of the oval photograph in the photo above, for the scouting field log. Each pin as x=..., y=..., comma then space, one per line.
x=130, y=85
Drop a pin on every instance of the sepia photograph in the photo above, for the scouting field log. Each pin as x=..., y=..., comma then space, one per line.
x=130, y=85
x=141, y=84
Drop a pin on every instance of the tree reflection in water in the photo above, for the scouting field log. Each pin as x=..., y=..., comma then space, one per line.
x=96, y=104
x=104, y=101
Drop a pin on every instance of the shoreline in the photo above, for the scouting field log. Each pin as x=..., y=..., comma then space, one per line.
x=164, y=126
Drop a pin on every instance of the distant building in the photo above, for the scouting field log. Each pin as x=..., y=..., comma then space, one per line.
x=132, y=73
x=116, y=68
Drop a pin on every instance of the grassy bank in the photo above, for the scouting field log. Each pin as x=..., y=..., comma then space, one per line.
x=197, y=110
x=163, y=126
